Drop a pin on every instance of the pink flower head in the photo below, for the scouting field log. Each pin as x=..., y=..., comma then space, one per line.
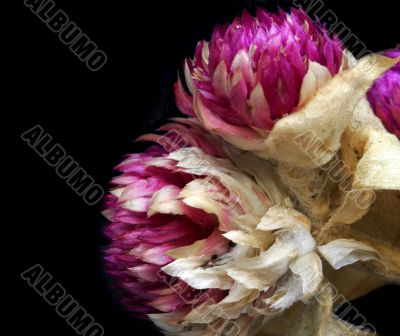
x=251, y=72
x=155, y=212
x=384, y=96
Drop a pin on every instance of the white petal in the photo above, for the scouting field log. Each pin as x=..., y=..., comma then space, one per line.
x=256, y=239
x=192, y=272
x=166, y=201
x=343, y=252
x=283, y=216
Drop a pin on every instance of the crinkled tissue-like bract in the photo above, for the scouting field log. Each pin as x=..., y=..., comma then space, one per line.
x=278, y=190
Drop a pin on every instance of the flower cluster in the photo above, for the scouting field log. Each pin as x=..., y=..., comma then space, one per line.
x=234, y=219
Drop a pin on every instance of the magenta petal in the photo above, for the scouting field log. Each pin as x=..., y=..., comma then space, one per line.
x=146, y=272
x=183, y=100
x=167, y=303
x=384, y=96
x=272, y=50
x=140, y=239
x=213, y=122
x=239, y=101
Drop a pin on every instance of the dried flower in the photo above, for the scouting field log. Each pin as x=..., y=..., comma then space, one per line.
x=261, y=83
x=384, y=96
x=251, y=72
x=220, y=227
x=173, y=203
x=149, y=218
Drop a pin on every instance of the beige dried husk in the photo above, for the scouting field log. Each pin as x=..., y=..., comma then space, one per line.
x=332, y=174
x=349, y=190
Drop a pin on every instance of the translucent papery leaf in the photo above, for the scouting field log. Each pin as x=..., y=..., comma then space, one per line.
x=378, y=169
x=343, y=252
x=369, y=200
x=348, y=245
x=378, y=227
x=317, y=186
x=373, y=155
x=310, y=137
x=348, y=60
x=309, y=269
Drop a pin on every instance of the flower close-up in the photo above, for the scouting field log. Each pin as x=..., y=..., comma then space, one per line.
x=148, y=219
x=221, y=168
x=180, y=217
x=251, y=72
x=233, y=218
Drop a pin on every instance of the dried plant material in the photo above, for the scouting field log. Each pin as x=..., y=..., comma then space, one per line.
x=343, y=252
x=191, y=271
x=319, y=320
x=301, y=284
x=316, y=77
x=254, y=238
x=277, y=325
x=261, y=170
x=282, y=180
x=382, y=220
x=283, y=216
x=310, y=188
x=353, y=282
x=336, y=327
x=266, y=269
x=379, y=257
x=239, y=83
x=319, y=125
x=231, y=308
x=375, y=153
x=373, y=156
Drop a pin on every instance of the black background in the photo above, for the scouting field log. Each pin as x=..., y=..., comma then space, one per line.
x=96, y=116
